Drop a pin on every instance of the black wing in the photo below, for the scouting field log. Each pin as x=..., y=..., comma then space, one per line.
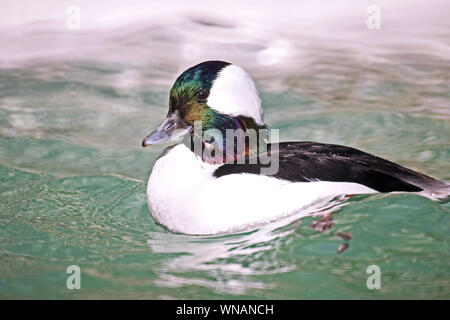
x=310, y=161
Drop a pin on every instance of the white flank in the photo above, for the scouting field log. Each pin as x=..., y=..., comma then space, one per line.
x=185, y=197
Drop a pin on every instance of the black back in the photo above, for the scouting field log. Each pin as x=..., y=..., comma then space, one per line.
x=310, y=161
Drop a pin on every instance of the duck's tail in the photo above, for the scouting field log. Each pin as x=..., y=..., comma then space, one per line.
x=436, y=190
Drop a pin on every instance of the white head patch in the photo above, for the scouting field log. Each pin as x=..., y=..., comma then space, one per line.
x=234, y=93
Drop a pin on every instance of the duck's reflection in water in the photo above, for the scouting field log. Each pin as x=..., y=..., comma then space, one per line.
x=231, y=261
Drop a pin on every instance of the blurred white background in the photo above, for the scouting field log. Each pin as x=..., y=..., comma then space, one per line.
x=31, y=29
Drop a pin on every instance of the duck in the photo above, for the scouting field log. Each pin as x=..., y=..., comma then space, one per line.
x=205, y=185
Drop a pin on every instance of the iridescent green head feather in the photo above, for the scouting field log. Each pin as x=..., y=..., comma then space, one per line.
x=190, y=92
x=218, y=94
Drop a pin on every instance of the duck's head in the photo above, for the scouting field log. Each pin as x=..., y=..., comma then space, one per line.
x=219, y=94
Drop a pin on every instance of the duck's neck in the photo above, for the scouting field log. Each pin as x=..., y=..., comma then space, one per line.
x=227, y=139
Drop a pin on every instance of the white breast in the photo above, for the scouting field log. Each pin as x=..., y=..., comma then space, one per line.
x=184, y=196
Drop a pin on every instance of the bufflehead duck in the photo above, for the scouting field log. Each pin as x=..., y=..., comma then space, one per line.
x=198, y=192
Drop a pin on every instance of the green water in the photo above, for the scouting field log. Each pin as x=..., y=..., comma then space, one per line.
x=73, y=179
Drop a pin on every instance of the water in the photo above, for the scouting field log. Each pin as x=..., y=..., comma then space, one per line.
x=74, y=108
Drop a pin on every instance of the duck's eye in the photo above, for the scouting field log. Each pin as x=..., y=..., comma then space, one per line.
x=202, y=95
